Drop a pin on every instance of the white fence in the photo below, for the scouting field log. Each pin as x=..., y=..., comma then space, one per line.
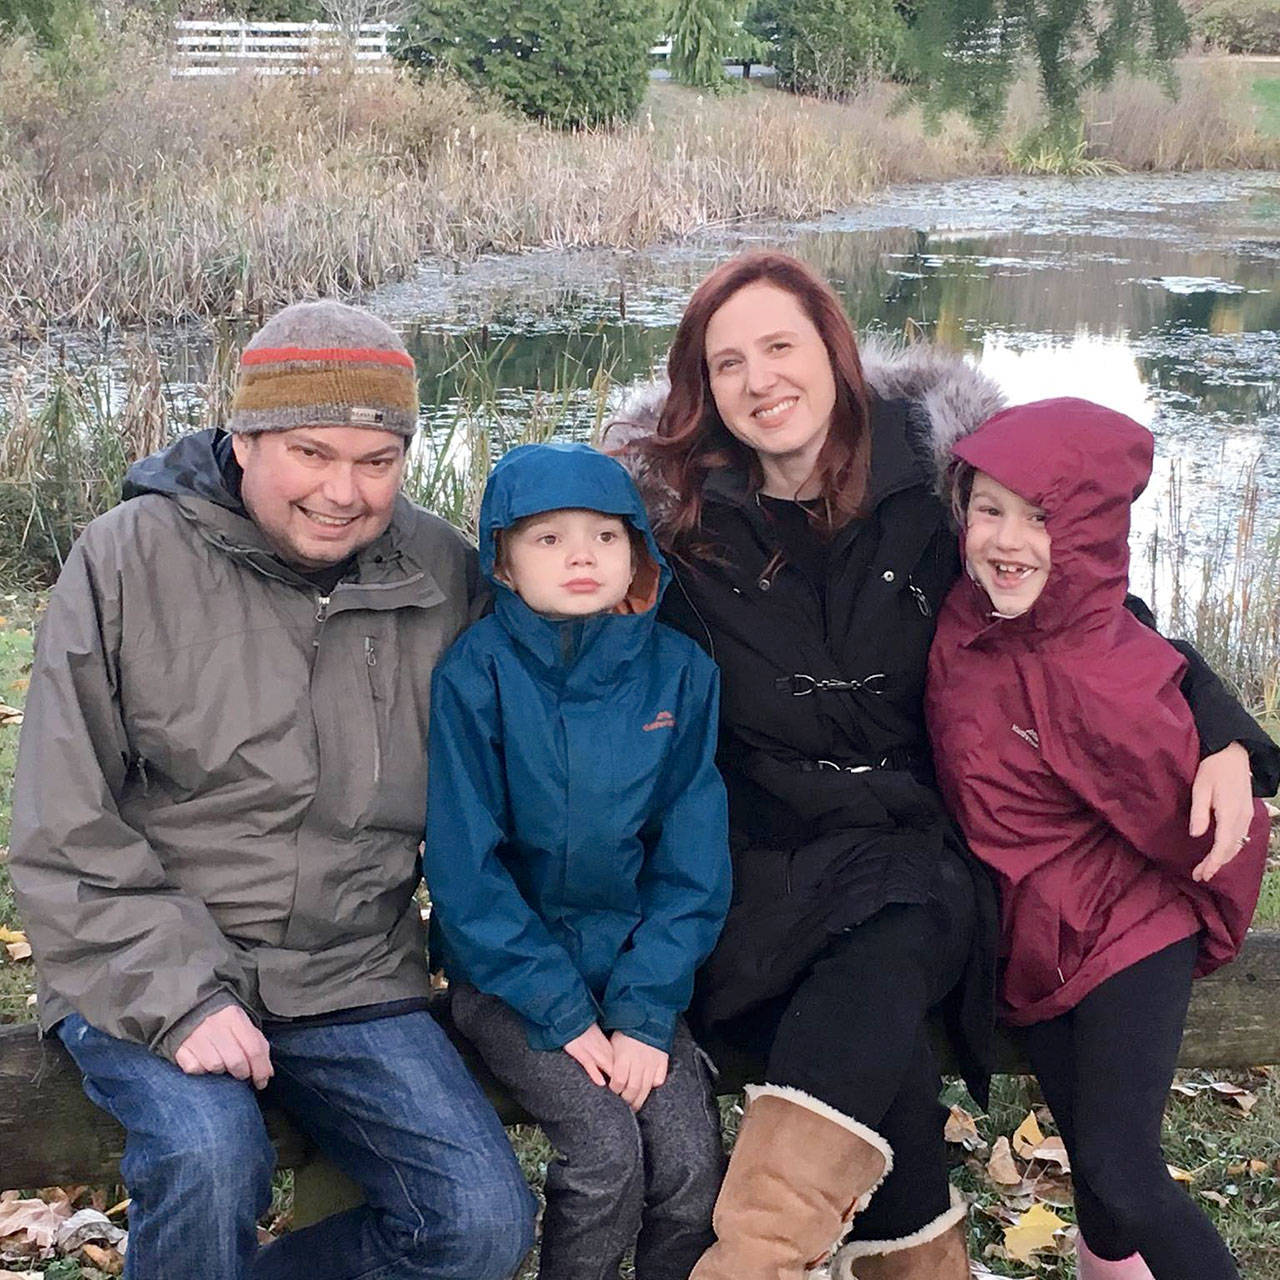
x=276, y=48
x=222, y=48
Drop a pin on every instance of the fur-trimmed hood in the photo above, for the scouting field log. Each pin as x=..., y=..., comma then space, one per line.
x=943, y=388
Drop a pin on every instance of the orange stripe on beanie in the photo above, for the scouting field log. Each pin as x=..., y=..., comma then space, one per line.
x=325, y=364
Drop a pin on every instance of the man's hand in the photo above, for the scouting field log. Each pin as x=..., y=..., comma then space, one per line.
x=1223, y=786
x=227, y=1041
x=593, y=1053
x=638, y=1068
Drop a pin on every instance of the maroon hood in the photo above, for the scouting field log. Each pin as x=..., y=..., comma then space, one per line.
x=1084, y=464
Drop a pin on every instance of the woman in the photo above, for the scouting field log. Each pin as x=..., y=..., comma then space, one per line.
x=794, y=489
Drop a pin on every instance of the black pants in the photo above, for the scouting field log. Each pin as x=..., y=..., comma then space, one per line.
x=1105, y=1068
x=853, y=1034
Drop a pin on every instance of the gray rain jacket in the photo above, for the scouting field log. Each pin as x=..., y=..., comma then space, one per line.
x=221, y=778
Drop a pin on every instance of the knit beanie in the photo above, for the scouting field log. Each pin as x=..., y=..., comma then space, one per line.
x=324, y=364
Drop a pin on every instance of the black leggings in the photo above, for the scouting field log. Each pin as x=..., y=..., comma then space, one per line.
x=1105, y=1068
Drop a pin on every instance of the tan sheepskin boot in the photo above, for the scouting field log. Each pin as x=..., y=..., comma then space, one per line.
x=938, y=1251
x=798, y=1172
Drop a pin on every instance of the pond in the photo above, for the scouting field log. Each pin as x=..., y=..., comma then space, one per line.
x=1158, y=295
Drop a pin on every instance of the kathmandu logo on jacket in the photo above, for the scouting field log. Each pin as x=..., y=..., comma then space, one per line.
x=663, y=720
x=1027, y=735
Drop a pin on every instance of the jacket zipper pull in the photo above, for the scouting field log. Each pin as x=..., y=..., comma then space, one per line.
x=922, y=601
x=322, y=608
x=370, y=658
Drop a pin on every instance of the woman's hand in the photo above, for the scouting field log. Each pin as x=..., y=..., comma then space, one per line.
x=1223, y=787
x=638, y=1069
x=593, y=1053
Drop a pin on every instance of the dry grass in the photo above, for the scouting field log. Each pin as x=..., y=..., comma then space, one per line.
x=140, y=197
x=127, y=194
x=1211, y=124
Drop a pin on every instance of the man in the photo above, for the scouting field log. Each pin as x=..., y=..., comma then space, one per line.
x=218, y=805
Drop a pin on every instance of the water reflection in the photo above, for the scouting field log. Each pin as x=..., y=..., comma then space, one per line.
x=1157, y=296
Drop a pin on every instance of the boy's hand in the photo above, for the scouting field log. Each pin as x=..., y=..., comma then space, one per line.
x=638, y=1069
x=227, y=1041
x=593, y=1053
x=1223, y=786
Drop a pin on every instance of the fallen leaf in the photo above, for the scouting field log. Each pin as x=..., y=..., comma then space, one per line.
x=84, y=1226
x=1217, y=1197
x=33, y=1221
x=1234, y=1094
x=12, y=935
x=1052, y=1151
x=961, y=1128
x=108, y=1260
x=18, y=950
x=1180, y=1175
x=1272, y=812
x=1033, y=1233
x=117, y=1208
x=9, y=715
x=1053, y=1189
x=1028, y=1135
x=1001, y=1168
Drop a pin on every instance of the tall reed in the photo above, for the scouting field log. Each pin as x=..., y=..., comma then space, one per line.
x=1224, y=597
x=127, y=194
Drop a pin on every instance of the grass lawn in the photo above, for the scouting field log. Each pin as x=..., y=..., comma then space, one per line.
x=1232, y=1157
x=1266, y=93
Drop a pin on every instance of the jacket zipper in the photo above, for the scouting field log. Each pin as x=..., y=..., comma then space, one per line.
x=371, y=661
x=711, y=644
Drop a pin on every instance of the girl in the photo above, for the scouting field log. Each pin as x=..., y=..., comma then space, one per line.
x=578, y=860
x=794, y=483
x=1067, y=754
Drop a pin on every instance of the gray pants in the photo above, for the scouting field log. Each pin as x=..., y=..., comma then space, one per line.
x=621, y=1177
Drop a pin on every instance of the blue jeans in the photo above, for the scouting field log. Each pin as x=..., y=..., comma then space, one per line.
x=388, y=1101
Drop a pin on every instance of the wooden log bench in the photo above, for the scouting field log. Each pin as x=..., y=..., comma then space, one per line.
x=50, y=1134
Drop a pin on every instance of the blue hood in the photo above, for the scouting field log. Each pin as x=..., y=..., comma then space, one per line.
x=534, y=478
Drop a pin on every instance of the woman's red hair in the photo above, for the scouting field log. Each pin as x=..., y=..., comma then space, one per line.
x=691, y=439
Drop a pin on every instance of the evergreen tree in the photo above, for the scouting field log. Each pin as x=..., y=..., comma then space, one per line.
x=702, y=32
x=569, y=62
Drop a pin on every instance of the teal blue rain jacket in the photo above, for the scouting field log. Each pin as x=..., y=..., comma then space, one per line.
x=577, y=838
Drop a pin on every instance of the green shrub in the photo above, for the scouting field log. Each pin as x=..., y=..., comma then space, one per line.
x=832, y=47
x=568, y=62
x=51, y=22
x=1240, y=26
x=701, y=32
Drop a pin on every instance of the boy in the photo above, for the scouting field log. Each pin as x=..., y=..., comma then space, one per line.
x=577, y=856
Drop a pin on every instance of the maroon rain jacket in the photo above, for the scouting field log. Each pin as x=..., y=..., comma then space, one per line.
x=1063, y=745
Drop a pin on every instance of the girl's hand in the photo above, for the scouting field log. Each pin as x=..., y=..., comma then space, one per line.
x=1223, y=786
x=593, y=1053
x=638, y=1069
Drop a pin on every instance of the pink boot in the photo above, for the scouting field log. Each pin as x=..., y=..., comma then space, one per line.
x=1090, y=1267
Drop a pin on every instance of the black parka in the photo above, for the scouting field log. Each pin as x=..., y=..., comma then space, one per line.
x=823, y=744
